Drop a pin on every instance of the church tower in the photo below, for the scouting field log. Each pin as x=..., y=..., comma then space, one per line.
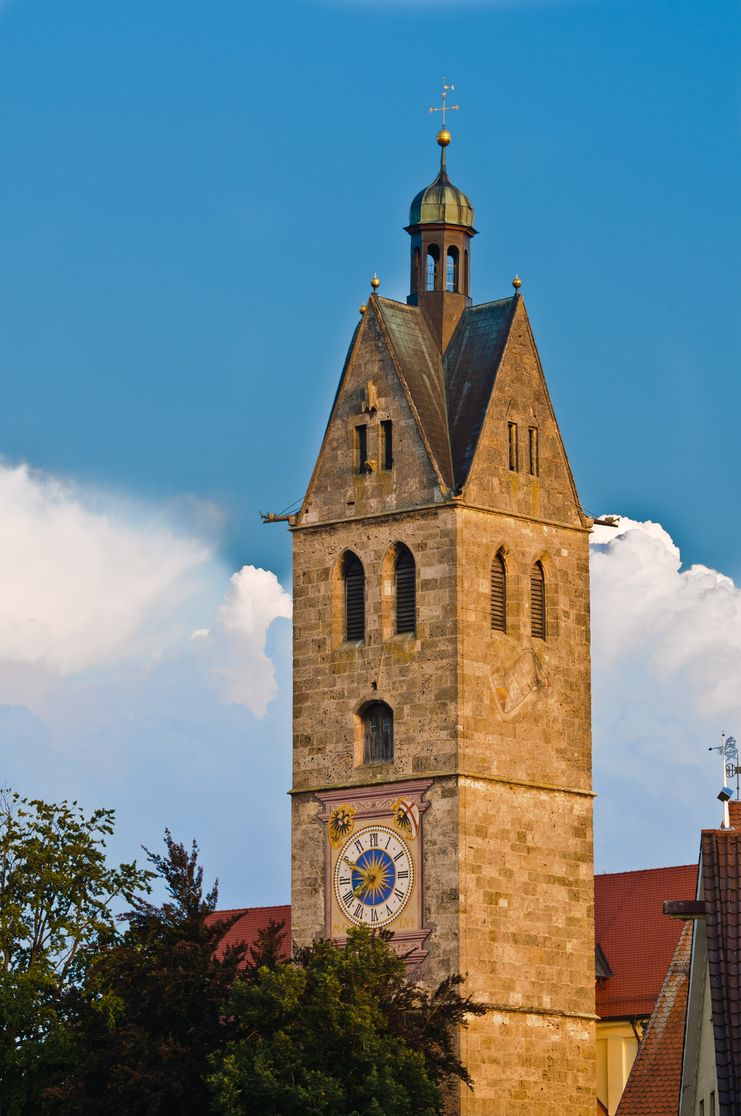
x=441, y=747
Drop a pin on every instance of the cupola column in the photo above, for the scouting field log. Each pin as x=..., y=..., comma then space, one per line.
x=441, y=228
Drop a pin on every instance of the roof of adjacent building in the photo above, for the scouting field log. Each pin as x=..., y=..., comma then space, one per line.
x=654, y=1082
x=450, y=391
x=247, y=924
x=721, y=876
x=636, y=938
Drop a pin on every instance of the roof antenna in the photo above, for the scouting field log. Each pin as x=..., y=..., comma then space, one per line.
x=728, y=750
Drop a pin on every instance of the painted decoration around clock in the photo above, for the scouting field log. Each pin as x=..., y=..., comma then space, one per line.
x=374, y=862
x=374, y=876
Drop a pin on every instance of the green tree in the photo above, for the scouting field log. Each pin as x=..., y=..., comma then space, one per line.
x=56, y=905
x=153, y=1009
x=340, y=1031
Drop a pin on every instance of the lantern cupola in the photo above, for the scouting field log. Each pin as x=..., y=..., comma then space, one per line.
x=441, y=228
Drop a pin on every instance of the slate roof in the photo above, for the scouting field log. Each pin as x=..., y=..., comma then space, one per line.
x=635, y=936
x=655, y=1079
x=449, y=391
x=721, y=874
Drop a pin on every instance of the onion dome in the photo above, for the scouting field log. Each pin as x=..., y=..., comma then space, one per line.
x=441, y=202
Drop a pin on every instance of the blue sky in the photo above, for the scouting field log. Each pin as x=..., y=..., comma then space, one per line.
x=193, y=198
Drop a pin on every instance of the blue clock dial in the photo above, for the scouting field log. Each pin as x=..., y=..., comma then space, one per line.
x=373, y=876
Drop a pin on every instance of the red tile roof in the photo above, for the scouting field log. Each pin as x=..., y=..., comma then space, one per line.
x=250, y=922
x=635, y=936
x=653, y=1085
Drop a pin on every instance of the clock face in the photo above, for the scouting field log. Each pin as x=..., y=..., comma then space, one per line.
x=373, y=876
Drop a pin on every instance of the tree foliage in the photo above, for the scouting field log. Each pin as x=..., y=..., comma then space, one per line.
x=153, y=1008
x=56, y=898
x=340, y=1031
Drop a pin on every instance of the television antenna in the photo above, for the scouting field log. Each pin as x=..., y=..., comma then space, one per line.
x=728, y=751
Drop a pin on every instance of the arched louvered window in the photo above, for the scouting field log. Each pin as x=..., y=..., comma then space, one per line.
x=537, y=601
x=378, y=733
x=354, y=577
x=499, y=593
x=406, y=592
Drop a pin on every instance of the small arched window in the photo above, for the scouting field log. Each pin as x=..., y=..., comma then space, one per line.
x=433, y=267
x=451, y=269
x=466, y=277
x=415, y=270
x=378, y=733
x=499, y=593
x=537, y=601
x=406, y=592
x=353, y=575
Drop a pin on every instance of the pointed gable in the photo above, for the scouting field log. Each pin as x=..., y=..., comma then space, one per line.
x=458, y=406
x=388, y=346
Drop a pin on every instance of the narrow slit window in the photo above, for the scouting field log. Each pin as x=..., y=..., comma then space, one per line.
x=406, y=592
x=514, y=455
x=354, y=578
x=451, y=269
x=537, y=601
x=499, y=594
x=432, y=267
x=378, y=733
x=361, y=449
x=534, y=458
x=387, y=444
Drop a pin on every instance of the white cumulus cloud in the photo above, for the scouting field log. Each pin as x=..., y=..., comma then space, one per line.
x=85, y=583
x=666, y=653
x=236, y=642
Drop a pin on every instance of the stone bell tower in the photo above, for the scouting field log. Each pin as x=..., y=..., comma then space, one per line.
x=441, y=748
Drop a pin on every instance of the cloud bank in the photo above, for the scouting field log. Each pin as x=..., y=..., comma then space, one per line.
x=135, y=672
x=666, y=654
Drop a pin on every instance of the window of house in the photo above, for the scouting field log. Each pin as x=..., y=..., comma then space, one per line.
x=534, y=459
x=514, y=455
x=537, y=601
x=499, y=593
x=378, y=733
x=361, y=449
x=354, y=577
x=387, y=444
x=406, y=592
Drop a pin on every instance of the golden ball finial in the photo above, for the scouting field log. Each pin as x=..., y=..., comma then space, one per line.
x=443, y=137
x=362, y=308
x=375, y=282
x=517, y=282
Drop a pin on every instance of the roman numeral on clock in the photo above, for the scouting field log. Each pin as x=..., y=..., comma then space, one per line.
x=347, y=898
x=403, y=875
x=398, y=894
x=374, y=916
x=373, y=841
x=359, y=910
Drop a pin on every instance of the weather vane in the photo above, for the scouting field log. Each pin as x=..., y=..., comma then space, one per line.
x=445, y=107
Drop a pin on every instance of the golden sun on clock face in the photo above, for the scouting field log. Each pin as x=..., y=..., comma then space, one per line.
x=373, y=876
